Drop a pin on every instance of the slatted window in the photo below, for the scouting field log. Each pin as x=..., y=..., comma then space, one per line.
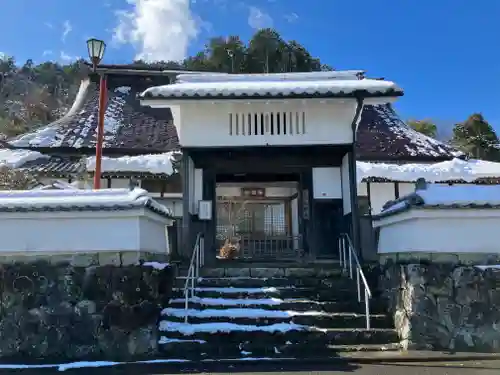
x=267, y=123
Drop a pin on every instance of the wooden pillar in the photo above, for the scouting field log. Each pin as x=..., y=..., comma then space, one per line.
x=209, y=227
x=185, y=245
x=353, y=189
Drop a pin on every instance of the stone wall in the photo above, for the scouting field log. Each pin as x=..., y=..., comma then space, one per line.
x=443, y=305
x=74, y=307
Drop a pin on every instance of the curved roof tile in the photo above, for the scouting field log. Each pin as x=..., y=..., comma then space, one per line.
x=382, y=136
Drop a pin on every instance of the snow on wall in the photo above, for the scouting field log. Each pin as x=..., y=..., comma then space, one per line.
x=451, y=170
x=16, y=158
x=77, y=198
x=460, y=195
x=152, y=163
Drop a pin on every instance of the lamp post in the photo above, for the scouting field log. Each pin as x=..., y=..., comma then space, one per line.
x=96, y=50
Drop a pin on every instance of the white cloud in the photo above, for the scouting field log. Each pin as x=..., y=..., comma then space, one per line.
x=49, y=25
x=47, y=53
x=291, y=17
x=65, y=58
x=258, y=19
x=66, y=29
x=158, y=29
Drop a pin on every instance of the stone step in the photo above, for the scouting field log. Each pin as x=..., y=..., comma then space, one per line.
x=261, y=317
x=269, y=272
x=184, y=349
x=277, y=334
x=259, y=282
x=377, y=306
x=313, y=293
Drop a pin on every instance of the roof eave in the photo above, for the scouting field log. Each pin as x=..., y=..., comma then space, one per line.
x=148, y=96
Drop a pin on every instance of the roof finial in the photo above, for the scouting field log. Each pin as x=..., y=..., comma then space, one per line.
x=421, y=184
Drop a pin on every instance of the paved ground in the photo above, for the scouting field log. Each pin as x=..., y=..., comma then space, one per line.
x=435, y=368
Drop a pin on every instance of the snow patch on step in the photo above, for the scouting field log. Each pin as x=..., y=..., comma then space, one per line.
x=166, y=340
x=225, y=278
x=238, y=313
x=235, y=290
x=188, y=329
x=230, y=301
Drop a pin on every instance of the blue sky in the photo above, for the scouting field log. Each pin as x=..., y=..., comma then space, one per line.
x=445, y=54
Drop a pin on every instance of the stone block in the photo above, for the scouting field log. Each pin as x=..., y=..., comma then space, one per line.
x=109, y=259
x=267, y=272
x=449, y=258
x=132, y=258
x=237, y=272
x=65, y=312
x=433, y=302
x=213, y=272
x=301, y=272
x=84, y=260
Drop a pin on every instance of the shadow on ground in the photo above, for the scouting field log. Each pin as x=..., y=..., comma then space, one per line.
x=250, y=367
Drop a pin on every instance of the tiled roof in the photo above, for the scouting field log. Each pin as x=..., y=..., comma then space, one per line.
x=129, y=126
x=432, y=196
x=383, y=136
x=297, y=85
x=55, y=166
x=80, y=200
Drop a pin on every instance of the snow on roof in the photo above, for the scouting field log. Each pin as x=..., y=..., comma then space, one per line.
x=282, y=84
x=452, y=170
x=68, y=199
x=16, y=158
x=152, y=163
x=308, y=76
x=460, y=195
x=439, y=196
x=420, y=144
x=126, y=123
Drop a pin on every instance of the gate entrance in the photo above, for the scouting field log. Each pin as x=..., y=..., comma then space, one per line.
x=259, y=220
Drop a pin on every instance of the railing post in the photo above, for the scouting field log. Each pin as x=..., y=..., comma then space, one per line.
x=339, y=243
x=367, y=309
x=344, y=246
x=350, y=260
x=358, y=283
x=197, y=261
x=186, y=305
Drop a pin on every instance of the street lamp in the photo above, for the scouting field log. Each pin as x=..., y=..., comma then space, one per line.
x=96, y=50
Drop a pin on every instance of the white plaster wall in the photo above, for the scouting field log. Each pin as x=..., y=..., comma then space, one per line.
x=405, y=188
x=119, y=183
x=380, y=194
x=346, y=192
x=327, y=183
x=443, y=230
x=206, y=123
x=362, y=189
x=174, y=204
x=74, y=232
x=151, y=240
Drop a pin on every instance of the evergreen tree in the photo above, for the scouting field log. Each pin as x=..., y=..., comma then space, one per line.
x=476, y=137
x=424, y=126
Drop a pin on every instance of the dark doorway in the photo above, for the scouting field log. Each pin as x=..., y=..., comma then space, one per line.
x=329, y=225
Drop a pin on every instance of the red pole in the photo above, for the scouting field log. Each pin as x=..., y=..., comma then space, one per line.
x=103, y=90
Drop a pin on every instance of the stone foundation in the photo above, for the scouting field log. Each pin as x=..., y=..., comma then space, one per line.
x=75, y=307
x=447, y=305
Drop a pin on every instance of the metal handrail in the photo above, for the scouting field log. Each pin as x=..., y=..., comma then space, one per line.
x=197, y=261
x=347, y=255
